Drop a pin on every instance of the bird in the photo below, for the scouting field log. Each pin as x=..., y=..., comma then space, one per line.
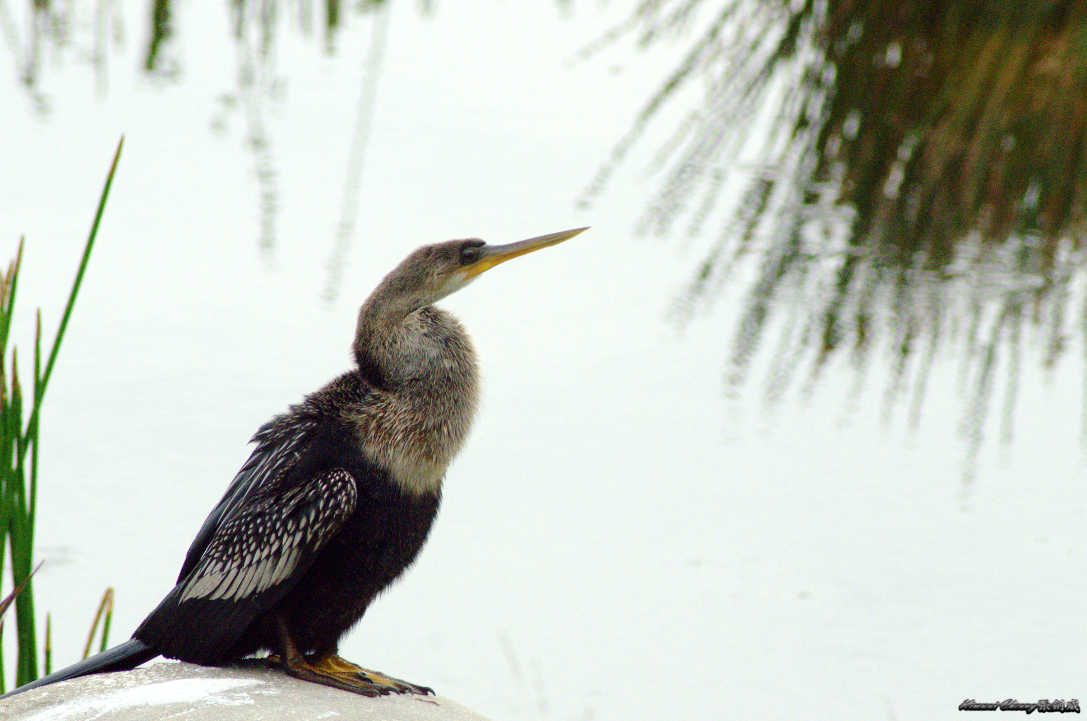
x=338, y=496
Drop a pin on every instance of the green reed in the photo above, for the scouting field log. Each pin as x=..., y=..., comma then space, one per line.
x=18, y=474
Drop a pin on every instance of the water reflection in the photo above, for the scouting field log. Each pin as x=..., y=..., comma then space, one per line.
x=90, y=32
x=162, y=30
x=915, y=180
x=356, y=156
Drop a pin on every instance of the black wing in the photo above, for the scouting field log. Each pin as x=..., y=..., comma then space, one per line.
x=251, y=550
x=263, y=543
x=280, y=443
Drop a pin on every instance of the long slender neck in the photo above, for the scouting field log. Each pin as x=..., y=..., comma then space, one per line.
x=400, y=341
x=388, y=334
x=425, y=367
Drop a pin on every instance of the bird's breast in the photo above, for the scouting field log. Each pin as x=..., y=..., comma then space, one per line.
x=416, y=419
x=414, y=433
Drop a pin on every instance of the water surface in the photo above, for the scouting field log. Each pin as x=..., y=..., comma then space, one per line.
x=629, y=533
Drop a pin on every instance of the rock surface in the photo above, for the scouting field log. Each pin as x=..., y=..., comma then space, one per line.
x=171, y=690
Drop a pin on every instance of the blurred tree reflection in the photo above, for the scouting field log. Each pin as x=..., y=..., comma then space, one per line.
x=89, y=30
x=920, y=184
x=92, y=31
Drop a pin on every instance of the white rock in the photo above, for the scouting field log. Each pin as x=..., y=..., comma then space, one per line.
x=171, y=690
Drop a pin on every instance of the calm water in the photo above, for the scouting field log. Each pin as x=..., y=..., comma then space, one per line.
x=631, y=533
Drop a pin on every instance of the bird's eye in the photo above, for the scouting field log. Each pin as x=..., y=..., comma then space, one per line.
x=469, y=254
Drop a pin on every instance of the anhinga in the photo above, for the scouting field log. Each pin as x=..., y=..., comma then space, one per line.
x=339, y=495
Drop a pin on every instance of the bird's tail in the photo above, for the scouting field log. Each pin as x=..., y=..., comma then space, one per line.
x=128, y=655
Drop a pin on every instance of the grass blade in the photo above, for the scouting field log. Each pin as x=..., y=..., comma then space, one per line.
x=106, y=608
x=18, y=499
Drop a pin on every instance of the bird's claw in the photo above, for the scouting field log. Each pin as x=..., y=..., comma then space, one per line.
x=331, y=670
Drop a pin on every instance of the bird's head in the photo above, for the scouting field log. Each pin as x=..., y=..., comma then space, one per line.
x=389, y=342
x=432, y=272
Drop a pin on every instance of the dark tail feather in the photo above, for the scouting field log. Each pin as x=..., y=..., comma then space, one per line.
x=128, y=655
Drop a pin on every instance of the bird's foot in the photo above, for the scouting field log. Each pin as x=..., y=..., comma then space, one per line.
x=331, y=670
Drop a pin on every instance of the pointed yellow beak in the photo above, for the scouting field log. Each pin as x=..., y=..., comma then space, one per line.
x=492, y=255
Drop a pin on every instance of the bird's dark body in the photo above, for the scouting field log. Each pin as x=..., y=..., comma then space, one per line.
x=379, y=541
x=375, y=543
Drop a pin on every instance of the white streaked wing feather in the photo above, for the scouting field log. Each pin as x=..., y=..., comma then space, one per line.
x=260, y=545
